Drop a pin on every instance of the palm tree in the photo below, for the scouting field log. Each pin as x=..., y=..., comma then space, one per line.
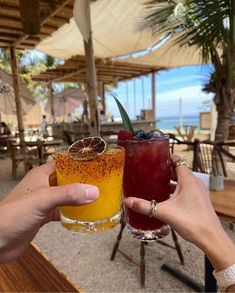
x=211, y=26
x=5, y=59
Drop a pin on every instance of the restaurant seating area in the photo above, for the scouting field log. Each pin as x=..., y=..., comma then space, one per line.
x=139, y=263
x=132, y=73
x=34, y=151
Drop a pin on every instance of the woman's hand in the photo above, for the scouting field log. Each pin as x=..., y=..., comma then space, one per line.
x=33, y=203
x=190, y=213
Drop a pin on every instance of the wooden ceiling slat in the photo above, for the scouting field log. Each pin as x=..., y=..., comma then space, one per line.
x=47, y=15
x=4, y=44
x=14, y=36
x=10, y=22
x=107, y=70
x=54, y=13
x=5, y=29
x=9, y=10
x=15, y=13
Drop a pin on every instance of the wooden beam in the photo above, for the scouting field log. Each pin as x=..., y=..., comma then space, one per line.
x=19, y=110
x=154, y=94
x=91, y=79
x=140, y=66
x=51, y=97
x=6, y=36
x=101, y=93
x=50, y=13
x=14, y=12
x=61, y=78
x=6, y=45
x=14, y=23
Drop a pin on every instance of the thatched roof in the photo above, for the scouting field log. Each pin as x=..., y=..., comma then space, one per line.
x=53, y=14
x=108, y=71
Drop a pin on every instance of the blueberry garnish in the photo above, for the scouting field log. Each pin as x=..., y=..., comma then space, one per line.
x=140, y=134
x=148, y=135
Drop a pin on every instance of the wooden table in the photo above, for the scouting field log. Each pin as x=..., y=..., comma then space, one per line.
x=33, y=272
x=224, y=201
x=41, y=145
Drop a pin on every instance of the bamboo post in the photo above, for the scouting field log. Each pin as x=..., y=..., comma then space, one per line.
x=101, y=93
x=143, y=92
x=17, y=97
x=134, y=89
x=154, y=95
x=91, y=83
x=51, y=97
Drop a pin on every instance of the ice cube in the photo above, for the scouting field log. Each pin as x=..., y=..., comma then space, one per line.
x=158, y=133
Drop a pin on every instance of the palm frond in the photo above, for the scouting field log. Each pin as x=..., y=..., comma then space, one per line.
x=197, y=22
x=157, y=16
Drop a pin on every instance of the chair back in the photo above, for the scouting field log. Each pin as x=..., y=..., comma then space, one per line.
x=207, y=158
x=67, y=138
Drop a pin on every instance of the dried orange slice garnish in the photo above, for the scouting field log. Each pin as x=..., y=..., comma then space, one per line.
x=87, y=148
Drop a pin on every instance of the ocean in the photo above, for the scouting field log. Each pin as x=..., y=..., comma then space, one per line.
x=169, y=123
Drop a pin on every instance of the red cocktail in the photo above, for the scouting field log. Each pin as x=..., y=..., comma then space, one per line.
x=147, y=176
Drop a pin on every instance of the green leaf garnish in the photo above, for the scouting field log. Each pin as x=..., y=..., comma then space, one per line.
x=127, y=125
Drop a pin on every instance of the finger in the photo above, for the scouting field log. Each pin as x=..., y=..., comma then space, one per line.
x=47, y=168
x=142, y=206
x=56, y=215
x=70, y=194
x=172, y=187
x=53, y=216
x=174, y=158
x=173, y=174
x=182, y=172
x=53, y=179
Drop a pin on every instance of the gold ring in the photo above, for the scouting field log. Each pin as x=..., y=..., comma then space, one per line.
x=181, y=162
x=153, y=208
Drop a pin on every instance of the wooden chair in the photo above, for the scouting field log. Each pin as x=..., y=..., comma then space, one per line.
x=67, y=138
x=29, y=158
x=207, y=158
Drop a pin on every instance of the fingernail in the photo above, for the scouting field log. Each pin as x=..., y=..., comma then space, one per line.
x=128, y=203
x=91, y=192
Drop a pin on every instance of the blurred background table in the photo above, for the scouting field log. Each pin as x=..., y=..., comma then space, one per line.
x=224, y=201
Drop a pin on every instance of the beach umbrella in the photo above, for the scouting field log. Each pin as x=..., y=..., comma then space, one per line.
x=66, y=101
x=7, y=95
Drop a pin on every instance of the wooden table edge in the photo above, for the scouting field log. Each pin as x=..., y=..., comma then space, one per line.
x=35, y=246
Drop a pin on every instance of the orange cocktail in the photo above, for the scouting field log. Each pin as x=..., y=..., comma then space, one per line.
x=106, y=172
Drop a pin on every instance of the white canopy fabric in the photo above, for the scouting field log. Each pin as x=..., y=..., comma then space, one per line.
x=114, y=27
x=169, y=55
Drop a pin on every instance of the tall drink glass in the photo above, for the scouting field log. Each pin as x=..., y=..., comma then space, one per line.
x=106, y=172
x=147, y=176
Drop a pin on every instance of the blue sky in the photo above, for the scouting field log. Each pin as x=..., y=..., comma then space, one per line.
x=184, y=82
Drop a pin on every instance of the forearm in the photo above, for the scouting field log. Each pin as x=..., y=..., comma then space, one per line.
x=219, y=249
